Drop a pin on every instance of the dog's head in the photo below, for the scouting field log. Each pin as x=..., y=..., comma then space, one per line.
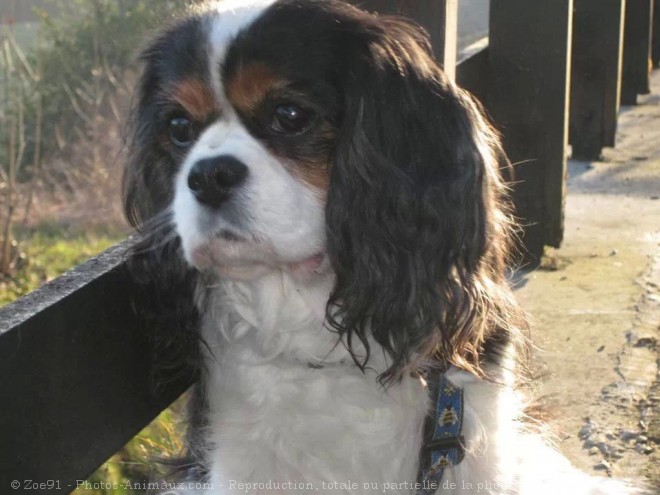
x=310, y=136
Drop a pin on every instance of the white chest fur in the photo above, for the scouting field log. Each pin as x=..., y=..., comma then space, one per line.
x=289, y=406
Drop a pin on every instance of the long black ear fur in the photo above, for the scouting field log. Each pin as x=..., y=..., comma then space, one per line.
x=167, y=285
x=416, y=223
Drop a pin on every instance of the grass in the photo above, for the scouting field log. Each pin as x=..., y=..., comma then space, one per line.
x=47, y=251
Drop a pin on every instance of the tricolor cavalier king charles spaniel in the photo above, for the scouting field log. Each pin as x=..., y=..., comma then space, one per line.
x=324, y=230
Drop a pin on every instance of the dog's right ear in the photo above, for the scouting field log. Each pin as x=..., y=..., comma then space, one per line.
x=148, y=175
x=417, y=219
x=165, y=284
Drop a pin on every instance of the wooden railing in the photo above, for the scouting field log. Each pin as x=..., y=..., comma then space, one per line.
x=75, y=382
x=75, y=378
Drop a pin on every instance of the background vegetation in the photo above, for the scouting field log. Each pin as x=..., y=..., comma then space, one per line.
x=62, y=103
x=63, y=98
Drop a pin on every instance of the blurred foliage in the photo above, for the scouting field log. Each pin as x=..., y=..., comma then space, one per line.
x=18, y=102
x=63, y=101
x=17, y=81
x=86, y=54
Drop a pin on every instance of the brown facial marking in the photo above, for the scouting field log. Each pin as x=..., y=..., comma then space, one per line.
x=246, y=90
x=315, y=175
x=250, y=84
x=196, y=98
x=315, y=172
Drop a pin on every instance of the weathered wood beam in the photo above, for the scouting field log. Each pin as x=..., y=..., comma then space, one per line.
x=637, y=50
x=595, y=75
x=529, y=55
x=76, y=375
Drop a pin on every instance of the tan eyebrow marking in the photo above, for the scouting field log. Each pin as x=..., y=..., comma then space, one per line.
x=250, y=84
x=246, y=90
x=196, y=98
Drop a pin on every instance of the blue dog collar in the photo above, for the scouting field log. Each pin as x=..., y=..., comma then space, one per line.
x=443, y=443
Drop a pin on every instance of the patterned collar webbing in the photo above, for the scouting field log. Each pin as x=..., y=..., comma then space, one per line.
x=443, y=443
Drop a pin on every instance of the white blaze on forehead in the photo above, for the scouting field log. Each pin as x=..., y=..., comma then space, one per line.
x=232, y=16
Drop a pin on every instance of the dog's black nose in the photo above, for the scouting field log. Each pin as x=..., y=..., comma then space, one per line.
x=212, y=179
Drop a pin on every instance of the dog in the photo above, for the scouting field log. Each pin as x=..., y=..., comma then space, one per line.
x=324, y=225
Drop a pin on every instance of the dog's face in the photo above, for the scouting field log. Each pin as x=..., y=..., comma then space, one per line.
x=309, y=136
x=251, y=136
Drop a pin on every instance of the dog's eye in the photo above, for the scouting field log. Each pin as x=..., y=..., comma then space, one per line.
x=182, y=132
x=291, y=119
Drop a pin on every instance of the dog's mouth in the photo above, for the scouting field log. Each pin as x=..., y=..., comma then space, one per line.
x=239, y=257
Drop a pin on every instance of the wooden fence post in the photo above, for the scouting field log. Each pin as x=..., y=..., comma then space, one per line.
x=595, y=75
x=530, y=63
x=655, y=44
x=438, y=17
x=636, y=50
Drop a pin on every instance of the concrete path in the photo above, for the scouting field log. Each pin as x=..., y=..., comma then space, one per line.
x=596, y=306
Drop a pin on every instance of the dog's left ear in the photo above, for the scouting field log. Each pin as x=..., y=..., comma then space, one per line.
x=416, y=231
